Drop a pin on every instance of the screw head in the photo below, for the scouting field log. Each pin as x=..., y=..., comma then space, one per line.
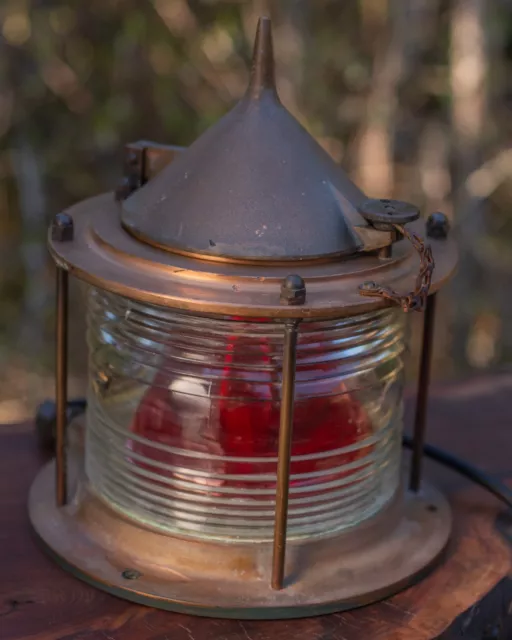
x=438, y=225
x=62, y=228
x=293, y=290
x=369, y=285
x=383, y=213
x=131, y=574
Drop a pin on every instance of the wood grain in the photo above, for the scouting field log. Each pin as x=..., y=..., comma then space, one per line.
x=469, y=596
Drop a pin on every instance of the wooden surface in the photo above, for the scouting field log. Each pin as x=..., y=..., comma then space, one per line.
x=469, y=596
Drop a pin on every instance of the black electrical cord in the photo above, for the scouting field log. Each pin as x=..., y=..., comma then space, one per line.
x=489, y=482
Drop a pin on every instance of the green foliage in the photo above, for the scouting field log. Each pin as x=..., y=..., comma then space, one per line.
x=80, y=79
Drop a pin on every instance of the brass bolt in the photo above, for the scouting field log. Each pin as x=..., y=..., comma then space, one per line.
x=293, y=290
x=438, y=226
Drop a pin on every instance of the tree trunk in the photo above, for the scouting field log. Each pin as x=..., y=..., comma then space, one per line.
x=468, y=65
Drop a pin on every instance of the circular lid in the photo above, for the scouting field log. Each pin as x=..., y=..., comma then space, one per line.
x=255, y=187
x=100, y=252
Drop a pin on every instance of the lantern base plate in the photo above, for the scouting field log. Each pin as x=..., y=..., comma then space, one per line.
x=368, y=563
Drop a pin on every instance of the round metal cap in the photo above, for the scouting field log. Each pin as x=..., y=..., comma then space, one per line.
x=383, y=213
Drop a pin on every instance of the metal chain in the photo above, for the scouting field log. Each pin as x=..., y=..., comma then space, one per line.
x=417, y=299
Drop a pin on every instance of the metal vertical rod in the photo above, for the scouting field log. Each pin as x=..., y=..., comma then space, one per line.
x=284, y=453
x=420, y=418
x=385, y=252
x=61, y=385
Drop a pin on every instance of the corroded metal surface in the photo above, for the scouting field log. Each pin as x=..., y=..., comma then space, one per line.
x=378, y=559
x=416, y=300
x=105, y=255
x=255, y=187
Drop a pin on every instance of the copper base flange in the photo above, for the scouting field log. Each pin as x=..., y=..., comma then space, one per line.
x=208, y=578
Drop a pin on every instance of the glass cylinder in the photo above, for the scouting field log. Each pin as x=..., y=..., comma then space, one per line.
x=183, y=419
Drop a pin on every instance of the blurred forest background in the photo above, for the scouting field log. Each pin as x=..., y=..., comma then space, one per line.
x=412, y=97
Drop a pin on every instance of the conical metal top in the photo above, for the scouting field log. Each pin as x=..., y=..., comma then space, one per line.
x=262, y=67
x=254, y=187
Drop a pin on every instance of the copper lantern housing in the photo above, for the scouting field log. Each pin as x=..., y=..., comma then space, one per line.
x=240, y=455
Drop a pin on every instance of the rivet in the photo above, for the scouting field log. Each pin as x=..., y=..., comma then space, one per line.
x=131, y=574
x=293, y=290
x=438, y=225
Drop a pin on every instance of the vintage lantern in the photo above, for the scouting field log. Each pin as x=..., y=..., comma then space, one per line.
x=242, y=447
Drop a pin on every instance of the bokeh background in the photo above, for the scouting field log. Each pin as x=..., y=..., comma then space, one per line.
x=412, y=97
